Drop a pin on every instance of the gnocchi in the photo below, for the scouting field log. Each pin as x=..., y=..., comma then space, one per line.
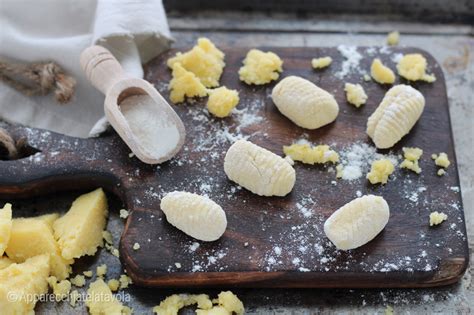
x=398, y=112
x=357, y=222
x=195, y=215
x=262, y=172
x=304, y=103
x=5, y=227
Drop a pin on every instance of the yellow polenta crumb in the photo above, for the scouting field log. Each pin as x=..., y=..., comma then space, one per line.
x=101, y=270
x=26, y=281
x=124, y=213
x=227, y=303
x=412, y=155
x=125, y=281
x=74, y=297
x=413, y=67
x=319, y=63
x=60, y=289
x=205, y=60
x=87, y=273
x=184, y=84
x=355, y=94
x=380, y=170
x=437, y=218
x=113, y=284
x=339, y=171
x=222, y=101
x=310, y=155
x=107, y=236
x=441, y=172
x=5, y=226
x=434, y=156
x=136, y=246
x=231, y=302
x=79, y=231
x=260, y=67
x=381, y=73
x=367, y=77
x=100, y=300
x=78, y=281
x=393, y=38
x=442, y=160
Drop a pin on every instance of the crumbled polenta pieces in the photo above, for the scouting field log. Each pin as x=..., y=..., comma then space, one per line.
x=442, y=160
x=320, y=63
x=222, y=101
x=412, y=155
x=380, y=171
x=226, y=303
x=260, y=67
x=310, y=155
x=413, y=68
x=381, y=73
x=437, y=218
x=355, y=94
x=393, y=38
x=184, y=84
x=205, y=60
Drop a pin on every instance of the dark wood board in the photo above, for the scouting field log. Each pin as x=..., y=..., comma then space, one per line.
x=408, y=253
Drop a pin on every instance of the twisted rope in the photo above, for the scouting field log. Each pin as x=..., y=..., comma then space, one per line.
x=39, y=79
x=8, y=147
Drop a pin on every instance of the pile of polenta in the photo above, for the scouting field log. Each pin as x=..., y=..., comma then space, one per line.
x=39, y=251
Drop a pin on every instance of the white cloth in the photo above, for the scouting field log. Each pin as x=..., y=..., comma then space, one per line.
x=59, y=30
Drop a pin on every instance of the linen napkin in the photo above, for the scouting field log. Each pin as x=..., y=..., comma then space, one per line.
x=59, y=30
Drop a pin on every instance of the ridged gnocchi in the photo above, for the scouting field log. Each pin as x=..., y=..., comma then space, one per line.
x=357, y=222
x=398, y=112
x=304, y=103
x=195, y=215
x=262, y=172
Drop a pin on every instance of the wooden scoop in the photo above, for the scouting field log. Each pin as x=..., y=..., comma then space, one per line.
x=106, y=74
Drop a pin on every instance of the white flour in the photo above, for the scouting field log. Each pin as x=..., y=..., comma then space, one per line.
x=155, y=132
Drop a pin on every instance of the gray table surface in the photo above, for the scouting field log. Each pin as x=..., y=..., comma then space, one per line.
x=451, y=45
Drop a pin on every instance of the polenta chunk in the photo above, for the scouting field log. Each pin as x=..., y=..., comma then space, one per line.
x=412, y=155
x=413, y=67
x=393, y=38
x=380, y=171
x=26, y=282
x=442, y=160
x=221, y=101
x=101, y=301
x=437, y=218
x=185, y=84
x=355, y=94
x=79, y=231
x=381, y=73
x=5, y=226
x=31, y=237
x=5, y=262
x=310, y=155
x=260, y=67
x=320, y=63
x=205, y=60
x=231, y=302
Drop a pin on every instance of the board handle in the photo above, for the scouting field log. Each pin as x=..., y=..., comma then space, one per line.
x=101, y=68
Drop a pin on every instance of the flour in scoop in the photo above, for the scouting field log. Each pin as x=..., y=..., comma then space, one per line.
x=153, y=129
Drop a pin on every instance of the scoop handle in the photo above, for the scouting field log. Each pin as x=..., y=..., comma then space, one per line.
x=101, y=68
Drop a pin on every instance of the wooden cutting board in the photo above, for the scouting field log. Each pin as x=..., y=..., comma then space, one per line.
x=269, y=242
